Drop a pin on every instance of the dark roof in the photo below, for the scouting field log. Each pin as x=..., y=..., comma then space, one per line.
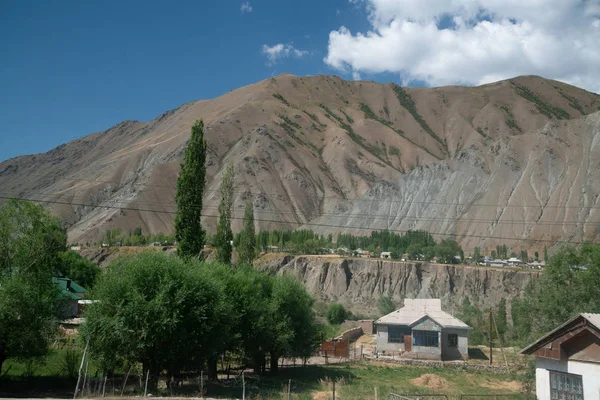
x=590, y=319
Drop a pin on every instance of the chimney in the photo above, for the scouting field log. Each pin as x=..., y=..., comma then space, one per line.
x=68, y=284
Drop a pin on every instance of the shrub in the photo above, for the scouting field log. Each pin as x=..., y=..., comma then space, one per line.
x=336, y=314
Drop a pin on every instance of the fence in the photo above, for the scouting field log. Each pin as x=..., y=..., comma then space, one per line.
x=512, y=396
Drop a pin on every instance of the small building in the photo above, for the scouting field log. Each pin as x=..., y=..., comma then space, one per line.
x=422, y=330
x=386, y=254
x=514, y=262
x=536, y=265
x=567, y=360
x=498, y=263
x=71, y=293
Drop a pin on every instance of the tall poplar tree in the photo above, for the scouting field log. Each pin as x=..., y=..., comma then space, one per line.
x=224, y=235
x=190, y=188
x=247, y=246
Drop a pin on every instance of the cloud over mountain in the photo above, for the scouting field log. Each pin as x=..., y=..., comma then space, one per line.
x=474, y=41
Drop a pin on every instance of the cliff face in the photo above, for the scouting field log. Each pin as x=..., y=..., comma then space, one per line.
x=359, y=283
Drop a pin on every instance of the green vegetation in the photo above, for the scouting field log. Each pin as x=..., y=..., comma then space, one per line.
x=348, y=118
x=510, y=119
x=560, y=293
x=394, y=151
x=289, y=121
x=282, y=99
x=116, y=237
x=246, y=247
x=31, y=240
x=78, y=268
x=386, y=305
x=190, y=188
x=224, y=235
x=175, y=316
x=543, y=107
x=316, y=119
x=371, y=115
x=336, y=314
x=376, y=151
x=408, y=103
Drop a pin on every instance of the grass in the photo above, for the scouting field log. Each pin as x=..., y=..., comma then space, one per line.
x=289, y=121
x=543, y=107
x=408, y=103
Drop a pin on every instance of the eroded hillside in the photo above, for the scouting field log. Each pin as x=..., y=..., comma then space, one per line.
x=505, y=162
x=359, y=283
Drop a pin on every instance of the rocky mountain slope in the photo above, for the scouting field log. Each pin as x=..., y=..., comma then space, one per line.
x=509, y=162
x=359, y=283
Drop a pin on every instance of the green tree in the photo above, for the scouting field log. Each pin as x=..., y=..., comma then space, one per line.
x=224, y=235
x=446, y=250
x=30, y=240
x=336, y=314
x=494, y=255
x=78, y=268
x=501, y=318
x=545, y=254
x=190, y=189
x=537, y=256
x=386, y=305
x=155, y=310
x=247, y=239
x=476, y=254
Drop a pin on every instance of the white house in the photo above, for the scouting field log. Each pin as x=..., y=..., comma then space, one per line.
x=567, y=363
x=422, y=330
x=385, y=254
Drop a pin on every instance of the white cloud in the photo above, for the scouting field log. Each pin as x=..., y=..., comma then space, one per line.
x=246, y=7
x=484, y=40
x=280, y=51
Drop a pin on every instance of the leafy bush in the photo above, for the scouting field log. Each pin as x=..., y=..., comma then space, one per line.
x=386, y=305
x=336, y=314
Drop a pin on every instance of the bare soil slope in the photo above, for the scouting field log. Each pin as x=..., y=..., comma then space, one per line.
x=512, y=160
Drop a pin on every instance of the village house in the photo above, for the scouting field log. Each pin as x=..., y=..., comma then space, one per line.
x=567, y=362
x=386, y=255
x=422, y=330
x=514, y=262
x=71, y=293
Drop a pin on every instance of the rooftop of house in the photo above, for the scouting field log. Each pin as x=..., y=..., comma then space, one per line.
x=590, y=319
x=415, y=309
x=69, y=287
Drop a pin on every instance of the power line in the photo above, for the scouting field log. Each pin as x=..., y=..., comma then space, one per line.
x=388, y=217
x=354, y=199
x=297, y=223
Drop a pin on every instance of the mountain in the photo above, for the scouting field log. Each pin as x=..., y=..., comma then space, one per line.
x=514, y=162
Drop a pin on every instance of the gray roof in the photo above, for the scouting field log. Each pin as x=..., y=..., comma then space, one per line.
x=416, y=309
x=593, y=319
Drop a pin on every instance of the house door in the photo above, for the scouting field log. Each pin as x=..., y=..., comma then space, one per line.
x=407, y=343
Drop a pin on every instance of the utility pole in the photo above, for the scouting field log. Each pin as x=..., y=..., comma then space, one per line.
x=491, y=355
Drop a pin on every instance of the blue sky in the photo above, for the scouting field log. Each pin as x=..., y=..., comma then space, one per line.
x=69, y=68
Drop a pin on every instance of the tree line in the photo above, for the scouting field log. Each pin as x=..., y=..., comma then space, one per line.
x=569, y=284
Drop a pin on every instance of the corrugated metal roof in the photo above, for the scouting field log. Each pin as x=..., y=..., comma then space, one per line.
x=593, y=319
x=415, y=309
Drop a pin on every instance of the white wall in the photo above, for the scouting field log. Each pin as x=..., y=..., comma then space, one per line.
x=589, y=371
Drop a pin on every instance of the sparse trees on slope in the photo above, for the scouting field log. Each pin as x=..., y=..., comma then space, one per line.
x=247, y=240
x=224, y=235
x=190, y=189
x=30, y=240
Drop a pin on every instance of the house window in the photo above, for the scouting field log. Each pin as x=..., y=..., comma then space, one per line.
x=396, y=334
x=425, y=339
x=565, y=386
x=452, y=340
